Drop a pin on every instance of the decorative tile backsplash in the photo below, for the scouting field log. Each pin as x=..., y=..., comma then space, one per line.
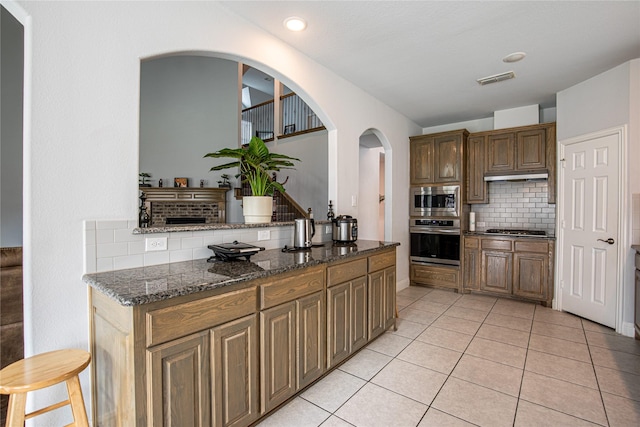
x=111, y=245
x=517, y=204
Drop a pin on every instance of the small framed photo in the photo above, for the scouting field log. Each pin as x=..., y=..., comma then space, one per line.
x=289, y=129
x=180, y=182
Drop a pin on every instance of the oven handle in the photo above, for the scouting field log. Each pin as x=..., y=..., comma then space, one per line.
x=424, y=230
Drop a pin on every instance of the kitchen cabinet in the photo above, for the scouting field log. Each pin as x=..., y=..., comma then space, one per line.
x=512, y=267
x=346, y=309
x=291, y=307
x=471, y=264
x=437, y=158
x=440, y=276
x=234, y=362
x=526, y=149
x=230, y=355
x=382, y=284
x=476, y=185
x=178, y=383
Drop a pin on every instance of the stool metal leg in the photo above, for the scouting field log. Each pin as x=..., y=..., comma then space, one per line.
x=15, y=411
x=77, y=403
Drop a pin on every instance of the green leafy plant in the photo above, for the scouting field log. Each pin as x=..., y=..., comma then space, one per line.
x=255, y=163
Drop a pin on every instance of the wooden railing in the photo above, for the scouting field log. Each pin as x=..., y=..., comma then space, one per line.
x=296, y=117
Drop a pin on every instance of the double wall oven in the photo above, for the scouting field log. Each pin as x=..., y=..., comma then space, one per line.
x=435, y=225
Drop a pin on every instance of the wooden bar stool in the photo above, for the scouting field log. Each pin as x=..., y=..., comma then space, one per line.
x=40, y=371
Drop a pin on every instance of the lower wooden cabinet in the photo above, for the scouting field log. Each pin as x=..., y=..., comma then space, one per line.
x=227, y=357
x=507, y=266
x=234, y=360
x=178, y=382
x=277, y=355
x=346, y=319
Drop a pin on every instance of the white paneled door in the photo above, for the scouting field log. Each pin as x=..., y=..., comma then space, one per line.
x=589, y=222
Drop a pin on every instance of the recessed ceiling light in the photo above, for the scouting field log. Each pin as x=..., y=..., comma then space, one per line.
x=293, y=23
x=514, y=57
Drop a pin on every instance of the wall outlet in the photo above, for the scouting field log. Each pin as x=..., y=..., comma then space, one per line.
x=155, y=244
x=327, y=229
x=264, y=235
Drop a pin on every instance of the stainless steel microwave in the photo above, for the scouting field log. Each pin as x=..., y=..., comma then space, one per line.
x=435, y=201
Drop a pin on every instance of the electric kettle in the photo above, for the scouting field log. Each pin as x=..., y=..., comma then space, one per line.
x=303, y=232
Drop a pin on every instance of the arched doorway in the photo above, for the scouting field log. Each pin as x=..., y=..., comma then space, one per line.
x=372, y=182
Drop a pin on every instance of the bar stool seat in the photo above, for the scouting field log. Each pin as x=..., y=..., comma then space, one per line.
x=40, y=371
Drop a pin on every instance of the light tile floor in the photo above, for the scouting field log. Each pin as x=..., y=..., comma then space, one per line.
x=462, y=360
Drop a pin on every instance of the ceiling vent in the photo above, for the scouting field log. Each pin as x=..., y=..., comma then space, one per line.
x=496, y=78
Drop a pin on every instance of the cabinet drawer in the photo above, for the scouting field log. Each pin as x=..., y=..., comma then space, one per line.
x=436, y=276
x=495, y=244
x=471, y=243
x=346, y=271
x=381, y=261
x=532, y=246
x=292, y=286
x=173, y=322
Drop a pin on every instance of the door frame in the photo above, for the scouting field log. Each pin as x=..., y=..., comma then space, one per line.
x=623, y=205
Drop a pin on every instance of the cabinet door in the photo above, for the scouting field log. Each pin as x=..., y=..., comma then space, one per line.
x=637, y=306
x=359, y=313
x=500, y=152
x=477, y=187
x=311, y=338
x=277, y=355
x=531, y=150
x=422, y=159
x=338, y=323
x=234, y=354
x=389, y=297
x=447, y=158
x=530, y=277
x=376, y=304
x=178, y=382
x=496, y=272
x=471, y=269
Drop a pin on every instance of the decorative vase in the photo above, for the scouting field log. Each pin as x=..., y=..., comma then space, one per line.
x=257, y=209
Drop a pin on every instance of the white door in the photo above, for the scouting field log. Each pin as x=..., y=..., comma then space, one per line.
x=589, y=222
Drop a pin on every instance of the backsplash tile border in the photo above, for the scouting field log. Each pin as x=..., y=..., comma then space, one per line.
x=111, y=244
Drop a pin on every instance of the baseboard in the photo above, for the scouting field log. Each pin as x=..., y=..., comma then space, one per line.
x=628, y=329
x=401, y=284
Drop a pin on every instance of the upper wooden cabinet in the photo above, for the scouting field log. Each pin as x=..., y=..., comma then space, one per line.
x=437, y=158
x=509, y=152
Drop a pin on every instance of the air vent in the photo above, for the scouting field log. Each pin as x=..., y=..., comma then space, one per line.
x=496, y=78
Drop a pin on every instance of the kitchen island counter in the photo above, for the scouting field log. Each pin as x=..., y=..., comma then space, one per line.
x=137, y=286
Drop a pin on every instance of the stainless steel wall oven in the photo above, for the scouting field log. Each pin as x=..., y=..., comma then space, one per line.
x=435, y=241
x=435, y=201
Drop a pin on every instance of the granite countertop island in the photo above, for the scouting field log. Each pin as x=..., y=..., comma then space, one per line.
x=137, y=286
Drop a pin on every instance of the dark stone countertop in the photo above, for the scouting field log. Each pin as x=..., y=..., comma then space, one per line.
x=137, y=286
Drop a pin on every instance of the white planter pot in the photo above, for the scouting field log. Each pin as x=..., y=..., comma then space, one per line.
x=257, y=209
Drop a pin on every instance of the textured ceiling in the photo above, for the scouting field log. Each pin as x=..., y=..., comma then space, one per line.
x=422, y=58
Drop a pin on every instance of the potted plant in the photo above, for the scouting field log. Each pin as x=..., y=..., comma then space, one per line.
x=255, y=163
x=224, y=181
x=143, y=177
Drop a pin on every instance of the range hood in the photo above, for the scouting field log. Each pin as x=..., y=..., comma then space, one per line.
x=517, y=177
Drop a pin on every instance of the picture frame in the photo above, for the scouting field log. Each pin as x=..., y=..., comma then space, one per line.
x=289, y=129
x=263, y=135
x=181, y=182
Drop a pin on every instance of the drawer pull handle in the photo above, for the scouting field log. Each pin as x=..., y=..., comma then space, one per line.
x=609, y=241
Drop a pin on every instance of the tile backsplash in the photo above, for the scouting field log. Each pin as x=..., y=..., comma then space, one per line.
x=111, y=245
x=517, y=204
